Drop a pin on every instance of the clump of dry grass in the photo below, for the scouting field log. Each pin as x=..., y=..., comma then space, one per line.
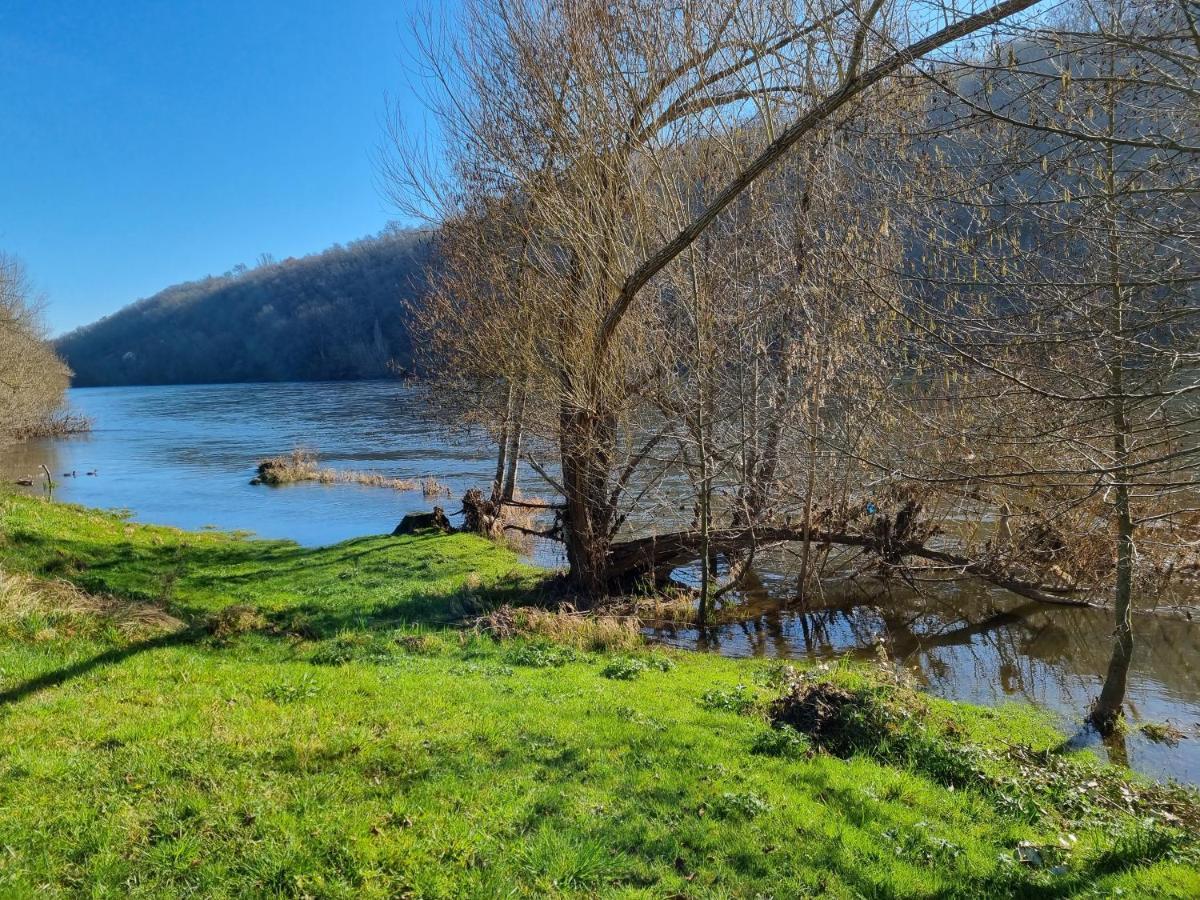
x=431, y=488
x=583, y=631
x=301, y=465
x=523, y=520
x=41, y=610
x=234, y=620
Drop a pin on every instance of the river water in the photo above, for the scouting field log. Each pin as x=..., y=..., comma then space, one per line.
x=184, y=456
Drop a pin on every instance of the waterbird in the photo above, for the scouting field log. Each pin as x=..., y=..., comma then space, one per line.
x=93, y=472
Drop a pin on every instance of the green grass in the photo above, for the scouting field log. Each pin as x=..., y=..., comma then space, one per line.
x=334, y=735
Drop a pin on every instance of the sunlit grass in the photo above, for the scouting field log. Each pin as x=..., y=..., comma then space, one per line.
x=319, y=726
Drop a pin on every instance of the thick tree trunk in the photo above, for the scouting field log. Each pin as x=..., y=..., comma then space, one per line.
x=587, y=442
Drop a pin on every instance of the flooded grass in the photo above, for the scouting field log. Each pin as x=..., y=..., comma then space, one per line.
x=63, y=423
x=301, y=465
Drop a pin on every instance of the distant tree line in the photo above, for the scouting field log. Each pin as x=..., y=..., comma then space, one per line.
x=336, y=315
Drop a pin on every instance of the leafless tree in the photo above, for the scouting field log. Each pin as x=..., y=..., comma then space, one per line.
x=1057, y=280
x=592, y=126
x=32, y=377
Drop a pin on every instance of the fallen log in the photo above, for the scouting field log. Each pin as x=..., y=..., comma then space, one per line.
x=650, y=560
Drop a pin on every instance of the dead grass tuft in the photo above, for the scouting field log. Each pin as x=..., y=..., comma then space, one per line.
x=431, y=488
x=583, y=631
x=234, y=620
x=48, y=609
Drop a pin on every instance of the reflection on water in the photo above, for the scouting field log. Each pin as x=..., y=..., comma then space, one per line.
x=184, y=456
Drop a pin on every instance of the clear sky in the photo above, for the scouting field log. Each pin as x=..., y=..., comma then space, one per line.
x=144, y=143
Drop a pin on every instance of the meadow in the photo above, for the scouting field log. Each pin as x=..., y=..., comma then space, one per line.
x=204, y=714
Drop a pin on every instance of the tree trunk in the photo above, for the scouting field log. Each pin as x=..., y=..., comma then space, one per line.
x=517, y=426
x=1108, y=707
x=502, y=447
x=1107, y=710
x=587, y=444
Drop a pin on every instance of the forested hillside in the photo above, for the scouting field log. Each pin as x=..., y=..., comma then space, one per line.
x=340, y=314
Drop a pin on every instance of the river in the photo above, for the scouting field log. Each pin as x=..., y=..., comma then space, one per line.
x=184, y=456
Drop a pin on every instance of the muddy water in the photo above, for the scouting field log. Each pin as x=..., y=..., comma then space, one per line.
x=184, y=456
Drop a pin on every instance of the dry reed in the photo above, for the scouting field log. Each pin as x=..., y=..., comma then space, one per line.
x=301, y=465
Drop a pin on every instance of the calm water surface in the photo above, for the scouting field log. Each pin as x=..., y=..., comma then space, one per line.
x=184, y=456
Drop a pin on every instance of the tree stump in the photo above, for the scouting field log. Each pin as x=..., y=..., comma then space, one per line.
x=430, y=521
x=481, y=515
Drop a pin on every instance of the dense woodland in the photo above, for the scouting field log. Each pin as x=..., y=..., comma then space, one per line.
x=336, y=315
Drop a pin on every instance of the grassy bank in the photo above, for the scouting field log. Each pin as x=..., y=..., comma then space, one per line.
x=199, y=713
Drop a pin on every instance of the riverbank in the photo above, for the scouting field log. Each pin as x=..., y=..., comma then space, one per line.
x=199, y=712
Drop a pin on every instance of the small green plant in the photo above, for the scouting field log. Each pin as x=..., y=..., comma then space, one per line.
x=353, y=646
x=660, y=662
x=303, y=688
x=916, y=845
x=784, y=741
x=421, y=644
x=739, y=699
x=735, y=805
x=624, y=668
x=540, y=655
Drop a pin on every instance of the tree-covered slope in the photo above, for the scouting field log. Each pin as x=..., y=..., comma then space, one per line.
x=340, y=314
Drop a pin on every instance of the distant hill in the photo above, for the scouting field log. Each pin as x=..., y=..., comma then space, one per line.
x=335, y=315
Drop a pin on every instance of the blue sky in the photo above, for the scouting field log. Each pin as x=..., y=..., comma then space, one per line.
x=145, y=143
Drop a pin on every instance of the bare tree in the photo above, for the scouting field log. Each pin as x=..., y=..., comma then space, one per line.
x=32, y=377
x=1057, y=281
x=589, y=124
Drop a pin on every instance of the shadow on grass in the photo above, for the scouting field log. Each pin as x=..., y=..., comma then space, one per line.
x=77, y=669
x=366, y=584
